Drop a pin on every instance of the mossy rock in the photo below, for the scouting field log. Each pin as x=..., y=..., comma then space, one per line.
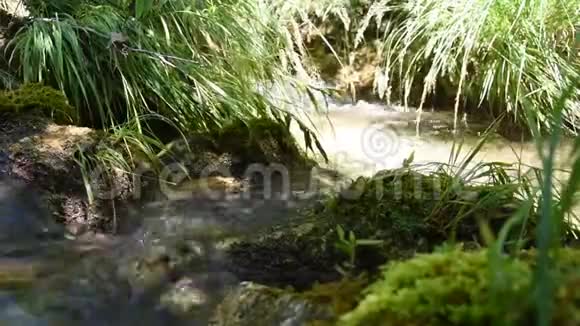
x=45, y=155
x=263, y=140
x=238, y=145
x=253, y=304
x=456, y=288
x=285, y=258
x=385, y=209
x=411, y=210
x=43, y=99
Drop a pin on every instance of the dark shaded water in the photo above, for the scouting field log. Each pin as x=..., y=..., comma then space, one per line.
x=94, y=281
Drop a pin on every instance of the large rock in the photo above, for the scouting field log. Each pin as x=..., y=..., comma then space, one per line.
x=239, y=150
x=253, y=304
x=44, y=155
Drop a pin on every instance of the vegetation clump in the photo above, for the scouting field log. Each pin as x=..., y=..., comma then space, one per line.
x=487, y=54
x=467, y=54
x=391, y=216
x=38, y=98
x=410, y=211
x=129, y=67
x=455, y=287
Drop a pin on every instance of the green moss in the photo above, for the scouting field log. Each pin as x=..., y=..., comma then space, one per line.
x=457, y=288
x=39, y=98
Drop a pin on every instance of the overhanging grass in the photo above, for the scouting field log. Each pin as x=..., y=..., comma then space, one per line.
x=499, y=54
x=194, y=65
x=111, y=64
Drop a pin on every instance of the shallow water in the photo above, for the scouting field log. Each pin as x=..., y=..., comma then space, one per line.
x=365, y=138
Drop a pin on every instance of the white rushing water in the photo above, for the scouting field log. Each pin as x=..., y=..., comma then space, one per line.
x=363, y=138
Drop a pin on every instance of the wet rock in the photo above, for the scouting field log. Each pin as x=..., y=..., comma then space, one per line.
x=197, y=295
x=94, y=290
x=252, y=304
x=284, y=259
x=44, y=155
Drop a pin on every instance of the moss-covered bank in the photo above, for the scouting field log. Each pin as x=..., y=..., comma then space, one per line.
x=391, y=216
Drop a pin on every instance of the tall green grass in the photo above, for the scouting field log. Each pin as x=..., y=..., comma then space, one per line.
x=190, y=65
x=498, y=54
x=556, y=201
x=195, y=66
x=552, y=213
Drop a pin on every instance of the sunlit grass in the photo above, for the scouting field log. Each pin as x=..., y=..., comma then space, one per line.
x=193, y=65
x=114, y=67
x=502, y=55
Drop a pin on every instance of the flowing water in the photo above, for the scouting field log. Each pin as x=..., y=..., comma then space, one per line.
x=364, y=138
x=81, y=286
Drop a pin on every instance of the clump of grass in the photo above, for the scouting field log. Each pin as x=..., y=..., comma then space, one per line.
x=193, y=65
x=502, y=55
x=115, y=67
x=409, y=209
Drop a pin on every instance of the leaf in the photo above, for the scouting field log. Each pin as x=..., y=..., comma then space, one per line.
x=142, y=7
x=340, y=232
x=343, y=247
x=321, y=149
x=307, y=140
x=369, y=242
x=287, y=121
x=351, y=237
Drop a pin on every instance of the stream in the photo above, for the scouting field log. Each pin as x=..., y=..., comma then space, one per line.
x=83, y=281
